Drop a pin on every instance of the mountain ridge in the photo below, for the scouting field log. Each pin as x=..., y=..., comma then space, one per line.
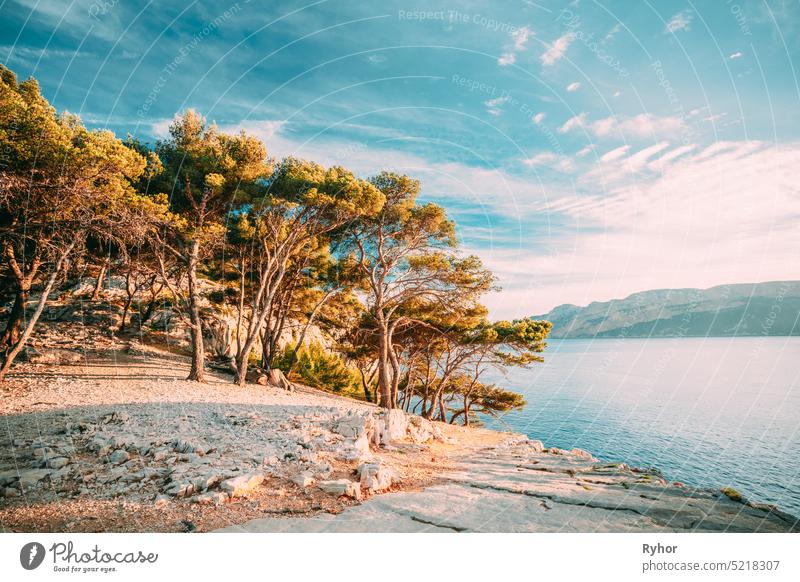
x=771, y=308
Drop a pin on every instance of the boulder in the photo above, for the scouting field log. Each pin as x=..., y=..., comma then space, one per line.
x=119, y=456
x=29, y=478
x=304, y=479
x=396, y=426
x=375, y=477
x=206, y=482
x=242, y=485
x=421, y=430
x=10, y=492
x=9, y=477
x=537, y=446
x=57, y=462
x=340, y=487
x=352, y=425
x=211, y=498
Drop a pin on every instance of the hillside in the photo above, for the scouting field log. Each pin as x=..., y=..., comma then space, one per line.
x=747, y=309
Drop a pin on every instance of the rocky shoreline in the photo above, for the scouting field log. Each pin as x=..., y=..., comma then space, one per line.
x=113, y=445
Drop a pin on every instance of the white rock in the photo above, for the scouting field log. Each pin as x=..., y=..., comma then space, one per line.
x=211, y=498
x=396, y=425
x=242, y=485
x=421, y=430
x=341, y=487
x=375, y=477
x=537, y=446
x=304, y=479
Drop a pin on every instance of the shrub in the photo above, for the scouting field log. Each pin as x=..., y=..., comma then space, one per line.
x=319, y=368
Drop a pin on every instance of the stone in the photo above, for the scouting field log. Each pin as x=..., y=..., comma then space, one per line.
x=581, y=454
x=421, y=430
x=211, y=498
x=351, y=426
x=8, y=477
x=10, y=492
x=57, y=462
x=180, y=489
x=341, y=487
x=396, y=426
x=242, y=485
x=206, y=482
x=119, y=456
x=375, y=477
x=537, y=446
x=30, y=477
x=304, y=479
x=42, y=452
x=115, y=418
x=161, y=501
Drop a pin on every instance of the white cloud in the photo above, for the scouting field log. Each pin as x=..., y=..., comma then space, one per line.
x=520, y=43
x=573, y=123
x=521, y=37
x=493, y=106
x=644, y=125
x=550, y=160
x=617, y=94
x=556, y=50
x=507, y=59
x=612, y=33
x=727, y=214
x=585, y=151
x=736, y=55
x=680, y=21
x=615, y=154
x=160, y=127
x=538, y=118
x=572, y=87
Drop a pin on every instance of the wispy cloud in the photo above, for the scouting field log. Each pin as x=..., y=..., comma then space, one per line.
x=737, y=201
x=572, y=87
x=519, y=38
x=494, y=106
x=643, y=125
x=557, y=50
x=506, y=59
x=680, y=21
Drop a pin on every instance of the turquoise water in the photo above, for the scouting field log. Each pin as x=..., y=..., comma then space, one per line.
x=706, y=411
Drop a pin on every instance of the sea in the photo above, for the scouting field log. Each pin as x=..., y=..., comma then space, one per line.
x=708, y=412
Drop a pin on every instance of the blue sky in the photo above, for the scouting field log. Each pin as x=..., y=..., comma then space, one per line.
x=587, y=150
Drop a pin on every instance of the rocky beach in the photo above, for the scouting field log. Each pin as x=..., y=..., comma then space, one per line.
x=116, y=440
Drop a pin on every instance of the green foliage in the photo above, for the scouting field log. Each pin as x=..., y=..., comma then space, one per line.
x=319, y=368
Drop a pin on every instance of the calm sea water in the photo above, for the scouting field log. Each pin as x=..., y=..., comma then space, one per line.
x=707, y=412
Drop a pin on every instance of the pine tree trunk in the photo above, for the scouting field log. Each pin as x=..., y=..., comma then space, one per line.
x=384, y=374
x=26, y=334
x=98, y=286
x=197, y=372
x=15, y=319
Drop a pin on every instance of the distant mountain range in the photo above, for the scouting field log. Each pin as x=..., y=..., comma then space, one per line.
x=747, y=309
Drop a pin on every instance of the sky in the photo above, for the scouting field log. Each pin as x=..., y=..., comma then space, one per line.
x=587, y=150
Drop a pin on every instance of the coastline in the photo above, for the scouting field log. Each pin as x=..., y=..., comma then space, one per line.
x=120, y=442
